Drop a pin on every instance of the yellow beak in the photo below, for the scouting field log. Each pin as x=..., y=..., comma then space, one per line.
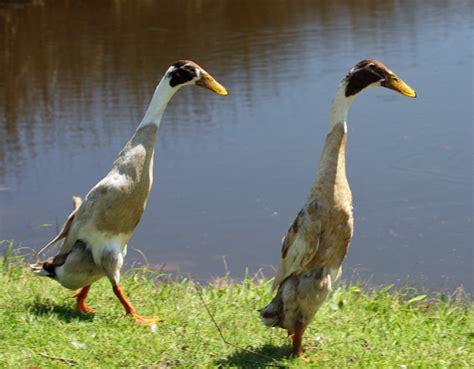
x=395, y=83
x=207, y=81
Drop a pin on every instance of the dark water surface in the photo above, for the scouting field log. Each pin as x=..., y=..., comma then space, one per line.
x=231, y=173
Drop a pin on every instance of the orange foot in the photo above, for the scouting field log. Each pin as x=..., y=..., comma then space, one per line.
x=146, y=320
x=308, y=360
x=82, y=308
x=304, y=359
x=81, y=296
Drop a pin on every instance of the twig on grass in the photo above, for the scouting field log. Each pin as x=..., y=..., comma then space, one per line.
x=63, y=359
x=199, y=291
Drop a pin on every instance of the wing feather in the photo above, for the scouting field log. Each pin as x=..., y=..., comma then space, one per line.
x=300, y=245
x=76, y=202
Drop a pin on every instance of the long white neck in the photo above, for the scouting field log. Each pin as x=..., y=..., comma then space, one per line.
x=163, y=93
x=340, y=107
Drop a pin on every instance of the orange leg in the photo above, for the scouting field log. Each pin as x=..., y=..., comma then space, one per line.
x=81, y=296
x=129, y=309
x=297, y=337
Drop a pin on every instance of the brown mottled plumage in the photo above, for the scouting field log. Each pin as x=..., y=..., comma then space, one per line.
x=97, y=231
x=317, y=241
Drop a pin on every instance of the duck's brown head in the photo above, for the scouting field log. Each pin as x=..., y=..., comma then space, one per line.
x=372, y=73
x=186, y=72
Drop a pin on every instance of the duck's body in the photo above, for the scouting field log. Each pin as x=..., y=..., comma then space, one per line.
x=105, y=221
x=317, y=241
x=96, y=233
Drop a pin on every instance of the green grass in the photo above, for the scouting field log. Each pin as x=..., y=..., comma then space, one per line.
x=355, y=328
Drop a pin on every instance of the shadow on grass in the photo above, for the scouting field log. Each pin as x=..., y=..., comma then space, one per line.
x=66, y=313
x=263, y=357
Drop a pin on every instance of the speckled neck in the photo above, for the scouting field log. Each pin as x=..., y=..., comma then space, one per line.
x=331, y=173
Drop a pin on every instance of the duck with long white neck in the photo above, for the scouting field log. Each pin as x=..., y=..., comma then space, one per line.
x=96, y=233
x=317, y=241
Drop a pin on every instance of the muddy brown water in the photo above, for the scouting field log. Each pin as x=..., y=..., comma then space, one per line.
x=231, y=173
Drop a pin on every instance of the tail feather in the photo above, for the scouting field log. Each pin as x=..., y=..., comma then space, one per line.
x=272, y=314
x=39, y=269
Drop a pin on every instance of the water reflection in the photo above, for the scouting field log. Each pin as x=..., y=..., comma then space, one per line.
x=75, y=85
x=61, y=62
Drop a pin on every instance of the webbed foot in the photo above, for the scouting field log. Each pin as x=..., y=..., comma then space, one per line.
x=146, y=320
x=81, y=306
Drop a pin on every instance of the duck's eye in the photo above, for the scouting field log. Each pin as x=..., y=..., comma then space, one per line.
x=371, y=65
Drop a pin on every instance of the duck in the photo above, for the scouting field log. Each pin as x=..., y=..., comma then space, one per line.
x=95, y=235
x=317, y=241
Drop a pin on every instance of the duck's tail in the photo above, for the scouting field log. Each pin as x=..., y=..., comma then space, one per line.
x=272, y=314
x=41, y=268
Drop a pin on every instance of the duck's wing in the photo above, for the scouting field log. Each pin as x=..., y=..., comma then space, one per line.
x=300, y=245
x=76, y=202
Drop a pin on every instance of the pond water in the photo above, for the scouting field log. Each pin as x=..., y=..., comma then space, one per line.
x=231, y=173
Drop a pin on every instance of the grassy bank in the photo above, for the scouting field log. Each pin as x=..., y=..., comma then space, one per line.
x=39, y=326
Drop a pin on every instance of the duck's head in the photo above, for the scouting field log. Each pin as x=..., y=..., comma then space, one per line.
x=186, y=72
x=372, y=73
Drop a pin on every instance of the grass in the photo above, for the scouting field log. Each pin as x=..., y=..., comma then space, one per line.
x=382, y=328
